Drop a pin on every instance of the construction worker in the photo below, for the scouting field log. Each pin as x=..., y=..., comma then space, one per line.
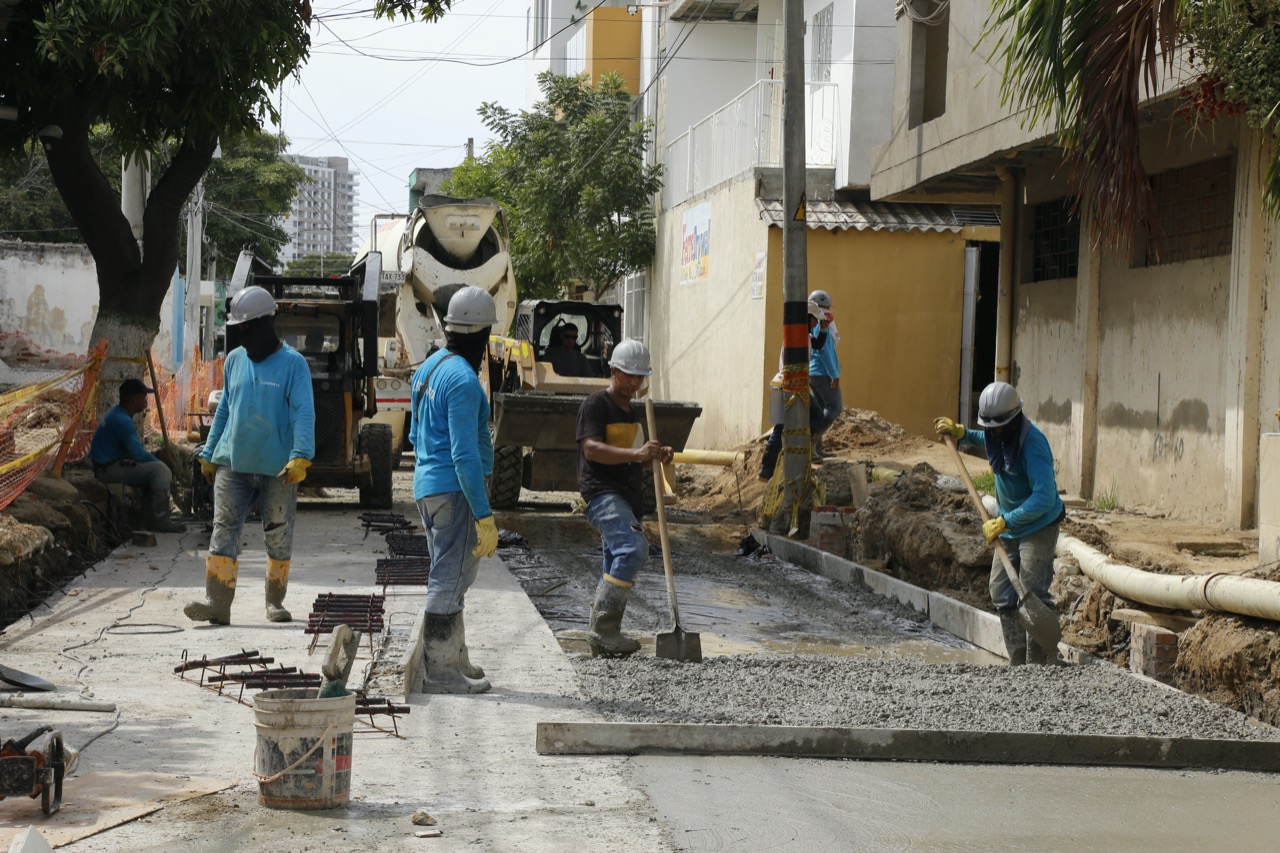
x=824, y=367
x=1030, y=510
x=258, y=451
x=611, y=458
x=119, y=457
x=819, y=419
x=453, y=454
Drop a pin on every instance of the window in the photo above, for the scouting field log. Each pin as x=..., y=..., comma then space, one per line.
x=635, y=306
x=1195, y=207
x=820, y=67
x=930, y=32
x=1055, y=241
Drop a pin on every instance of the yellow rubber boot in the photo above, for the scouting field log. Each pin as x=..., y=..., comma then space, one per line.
x=219, y=590
x=277, y=586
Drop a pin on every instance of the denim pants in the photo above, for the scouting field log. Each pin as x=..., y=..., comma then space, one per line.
x=1032, y=558
x=234, y=495
x=831, y=399
x=451, y=537
x=622, y=539
x=154, y=477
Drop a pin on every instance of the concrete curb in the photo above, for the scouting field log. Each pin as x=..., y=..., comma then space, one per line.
x=592, y=738
x=413, y=657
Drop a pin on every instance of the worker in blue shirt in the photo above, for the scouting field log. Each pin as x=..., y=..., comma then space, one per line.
x=119, y=457
x=1030, y=509
x=824, y=368
x=258, y=451
x=453, y=453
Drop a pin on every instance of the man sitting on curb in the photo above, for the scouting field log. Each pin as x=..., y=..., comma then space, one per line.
x=611, y=461
x=119, y=457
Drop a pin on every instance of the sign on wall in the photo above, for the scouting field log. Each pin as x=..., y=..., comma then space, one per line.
x=757, y=276
x=695, y=245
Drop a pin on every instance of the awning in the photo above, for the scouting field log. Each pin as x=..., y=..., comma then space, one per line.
x=840, y=215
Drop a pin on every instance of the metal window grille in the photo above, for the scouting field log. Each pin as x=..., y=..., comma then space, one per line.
x=1055, y=238
x=635, y=306
x=1195, y=207
x=820, y=70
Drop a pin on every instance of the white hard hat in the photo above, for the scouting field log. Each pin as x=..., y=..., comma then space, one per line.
x=998, y=404
x=631, y=357
x=816, y=312
x=471, y=310
x=250, y=304
x=821, y=298
x=215, y=397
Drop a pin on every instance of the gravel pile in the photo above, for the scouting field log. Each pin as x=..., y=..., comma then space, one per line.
x=808, y=690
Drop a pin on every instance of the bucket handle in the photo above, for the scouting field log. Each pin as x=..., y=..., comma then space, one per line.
x=294, y=766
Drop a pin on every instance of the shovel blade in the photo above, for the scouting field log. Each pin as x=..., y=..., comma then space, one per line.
x=679, y=645
x=1040, y=622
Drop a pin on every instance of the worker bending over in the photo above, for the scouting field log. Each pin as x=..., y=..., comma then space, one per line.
x=453, y=453
x=119, y=457
x=611, y=458
x=1030, y=509
x=258, y=451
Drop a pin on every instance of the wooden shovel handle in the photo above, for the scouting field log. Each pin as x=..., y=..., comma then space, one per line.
x=662, y=515
x=982, y=511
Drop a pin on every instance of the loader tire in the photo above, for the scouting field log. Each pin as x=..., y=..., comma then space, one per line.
x=375, y=440
x=405, y=446
x=508, y=471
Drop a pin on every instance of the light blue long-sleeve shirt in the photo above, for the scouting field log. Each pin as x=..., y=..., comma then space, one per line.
x=1027, y=494
x=452, y=448
x=116, y=438
x=824, y=361
x=267, y=415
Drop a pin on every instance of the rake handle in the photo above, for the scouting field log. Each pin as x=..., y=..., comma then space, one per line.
x=982, y=512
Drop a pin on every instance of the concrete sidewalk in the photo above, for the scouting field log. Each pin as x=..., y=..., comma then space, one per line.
x=468, y=760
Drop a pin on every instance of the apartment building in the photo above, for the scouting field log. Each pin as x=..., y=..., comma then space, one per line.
x=323, y=215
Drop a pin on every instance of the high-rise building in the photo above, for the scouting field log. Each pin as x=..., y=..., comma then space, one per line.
x=323, y=215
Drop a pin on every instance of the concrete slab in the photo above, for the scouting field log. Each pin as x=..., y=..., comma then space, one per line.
x=621, y=738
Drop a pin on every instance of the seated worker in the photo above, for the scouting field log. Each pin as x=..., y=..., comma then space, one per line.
x=119, y=457
x=565, y=357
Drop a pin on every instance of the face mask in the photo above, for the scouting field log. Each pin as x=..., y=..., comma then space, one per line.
x=260, y=338
x=470, y=346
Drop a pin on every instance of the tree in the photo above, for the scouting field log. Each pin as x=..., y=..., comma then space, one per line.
x=246, y=191
x=189, y=71
x=1084, y=66
x=320, y=265
x=572, y=175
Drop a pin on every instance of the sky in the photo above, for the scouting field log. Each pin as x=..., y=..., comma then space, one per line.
x=388, y=117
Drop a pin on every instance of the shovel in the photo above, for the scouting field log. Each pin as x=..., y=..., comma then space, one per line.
x=1035, y=616
x=676, y=644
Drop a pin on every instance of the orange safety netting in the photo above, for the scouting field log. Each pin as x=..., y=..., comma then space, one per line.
x=47, y=423
x=184, y=396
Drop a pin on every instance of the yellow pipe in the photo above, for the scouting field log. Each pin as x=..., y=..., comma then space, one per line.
x=723, y=458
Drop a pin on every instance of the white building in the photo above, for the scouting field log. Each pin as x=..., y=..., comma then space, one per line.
x=323, y=215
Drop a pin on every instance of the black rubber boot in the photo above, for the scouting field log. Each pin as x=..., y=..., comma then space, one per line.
x=606, y=637
x=162, y=524
x=219, y=591
x=441, y=650
x=1015, y=636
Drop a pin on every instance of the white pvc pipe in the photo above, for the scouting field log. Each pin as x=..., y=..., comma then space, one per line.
x=1222, y=592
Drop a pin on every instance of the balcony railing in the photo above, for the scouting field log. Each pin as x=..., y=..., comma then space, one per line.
x=746, y=133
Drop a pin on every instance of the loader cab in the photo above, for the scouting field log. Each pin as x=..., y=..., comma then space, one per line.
x=593, y=328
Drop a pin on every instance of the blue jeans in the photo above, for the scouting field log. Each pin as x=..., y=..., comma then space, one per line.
x=154, y=477
x=1032, y=557
x=622, y=538
x=451, y=537
x=234, y=495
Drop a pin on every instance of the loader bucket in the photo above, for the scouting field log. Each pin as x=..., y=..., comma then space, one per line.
x=549, y=421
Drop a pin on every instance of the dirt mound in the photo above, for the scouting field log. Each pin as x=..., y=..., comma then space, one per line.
x=1234, y=660
x=920, y=528
x=858, y=429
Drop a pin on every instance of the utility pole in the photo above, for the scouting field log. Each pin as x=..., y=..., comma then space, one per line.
x=195, y=245
x=796, y=447
x=471, y=148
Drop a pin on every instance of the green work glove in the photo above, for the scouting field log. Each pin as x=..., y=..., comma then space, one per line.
x=946, y=426
x=993, y=528
x=208, y=469
x=295, y=471
x=486, y=536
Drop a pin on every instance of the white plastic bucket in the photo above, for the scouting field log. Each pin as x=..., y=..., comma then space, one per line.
x=303, y=754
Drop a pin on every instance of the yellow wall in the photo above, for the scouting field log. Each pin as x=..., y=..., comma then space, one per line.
x=897, y=298
x=613, y=44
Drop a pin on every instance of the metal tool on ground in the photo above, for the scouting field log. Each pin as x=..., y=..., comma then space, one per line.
x=25, y=680
x=359, y=612
x=676, y=644
x=338, y=662
x=383, y=522
x=34, y=772
x=402, y=571
x=407, y=545
x=1040, y=622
